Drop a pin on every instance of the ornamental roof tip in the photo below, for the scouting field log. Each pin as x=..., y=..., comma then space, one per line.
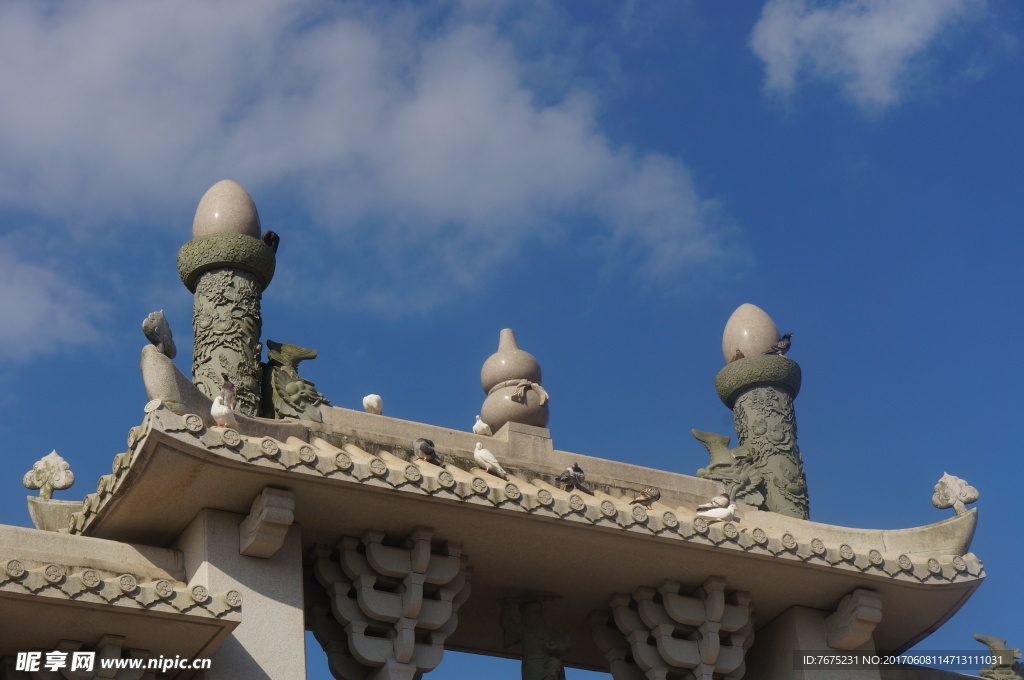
x=368, y=455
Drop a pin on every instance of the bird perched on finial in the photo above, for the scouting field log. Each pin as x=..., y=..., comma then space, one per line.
x=227, y=393
x=646, y=496
x=223, y=415
x=487, y=461
x=272, y=240
x=736, y=357
x=482, y=429
x=573, y=478
x=158, y=332
x=782, y=346
x=372, y=403
x=424, y=450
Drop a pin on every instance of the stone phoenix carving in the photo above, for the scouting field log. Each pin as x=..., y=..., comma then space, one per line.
x=286, y=394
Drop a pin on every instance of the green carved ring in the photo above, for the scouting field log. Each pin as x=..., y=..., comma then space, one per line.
x=765, y=369
x=216, y=251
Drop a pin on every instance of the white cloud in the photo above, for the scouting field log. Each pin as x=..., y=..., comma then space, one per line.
x=407, y=130
x=868, y=47
x=41, y=310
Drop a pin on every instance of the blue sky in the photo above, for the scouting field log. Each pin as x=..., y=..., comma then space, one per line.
x=611, y=180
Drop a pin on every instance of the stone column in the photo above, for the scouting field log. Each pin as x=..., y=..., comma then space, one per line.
x=227, y=266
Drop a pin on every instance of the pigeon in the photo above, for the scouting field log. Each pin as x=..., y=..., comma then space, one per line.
x=573, y=478
x=227, y=391
x=158, y=332
x=782, y=346
x=726, y=514
x=224, y=416
x=372, y=403
x=487, y=461
x=272, y=240
x=482, y=429
x=736, y=357
x=646, y=496
x=424, y=450
x=719, y=501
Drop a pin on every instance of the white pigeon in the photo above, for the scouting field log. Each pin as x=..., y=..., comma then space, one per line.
x=372, y=403
x=726, y=514
x=224, y=416
x=482, y=429
x=487, y=461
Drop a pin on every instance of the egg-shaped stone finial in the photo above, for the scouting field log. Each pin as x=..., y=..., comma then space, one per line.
x=749, y=330
x=226, y=208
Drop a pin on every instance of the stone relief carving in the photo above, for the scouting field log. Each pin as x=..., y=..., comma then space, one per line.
x=953, y=492
x=285, y=393
x=766, y=469
x=49, y=473
x=543, y=647
x=227, y=322
x=853, y=623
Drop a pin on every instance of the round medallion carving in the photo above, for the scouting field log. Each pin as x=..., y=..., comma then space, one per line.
x=53, y=573
x=875, y=558
x=233, y=598
x=959, y=563
x=230, y=437
x=446, y=479
x=730, y=530
x=127, y=583
x=934, y=566
x=343, y=461
x=133, y=436
x=412, y=473
x=163, y=588
x=759, y=536
x=846, y=552
x=200, y=594
x=269, y=448
x=193, y=423
x=307, y=454
x=544, y=497
x=906, y=564
x=378, y=467
x=15, y=569
x=512, y=491
x=788, y=542
x=670, y=519
x=152, y=405
x=479, y=485
x=639, y=514
x=608, y=509
x=700, y=525
x=576, y=502
x=817, y=546
x=90, y=578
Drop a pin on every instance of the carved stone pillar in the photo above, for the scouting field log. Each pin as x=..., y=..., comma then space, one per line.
x=227, y=267
x=663, y=631
x=382, y=610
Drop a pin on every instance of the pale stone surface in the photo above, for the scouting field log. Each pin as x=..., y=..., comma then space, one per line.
x=226, y=208
x=50, y=515
x=263, y=532
x=854, y=621
x=270, y=641
x=511, y=378
x=749, y=330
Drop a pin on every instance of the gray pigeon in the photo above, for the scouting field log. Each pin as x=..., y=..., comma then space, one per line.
x=573, y=478
x=424, y=450
x=782, y=346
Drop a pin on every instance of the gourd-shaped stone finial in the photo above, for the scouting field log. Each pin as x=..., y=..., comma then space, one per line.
x=511, y=378
x=953, y=492
x=49, y=473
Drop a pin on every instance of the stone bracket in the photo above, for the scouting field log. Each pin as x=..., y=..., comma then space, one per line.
x=854, y=621
x=262, y=533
